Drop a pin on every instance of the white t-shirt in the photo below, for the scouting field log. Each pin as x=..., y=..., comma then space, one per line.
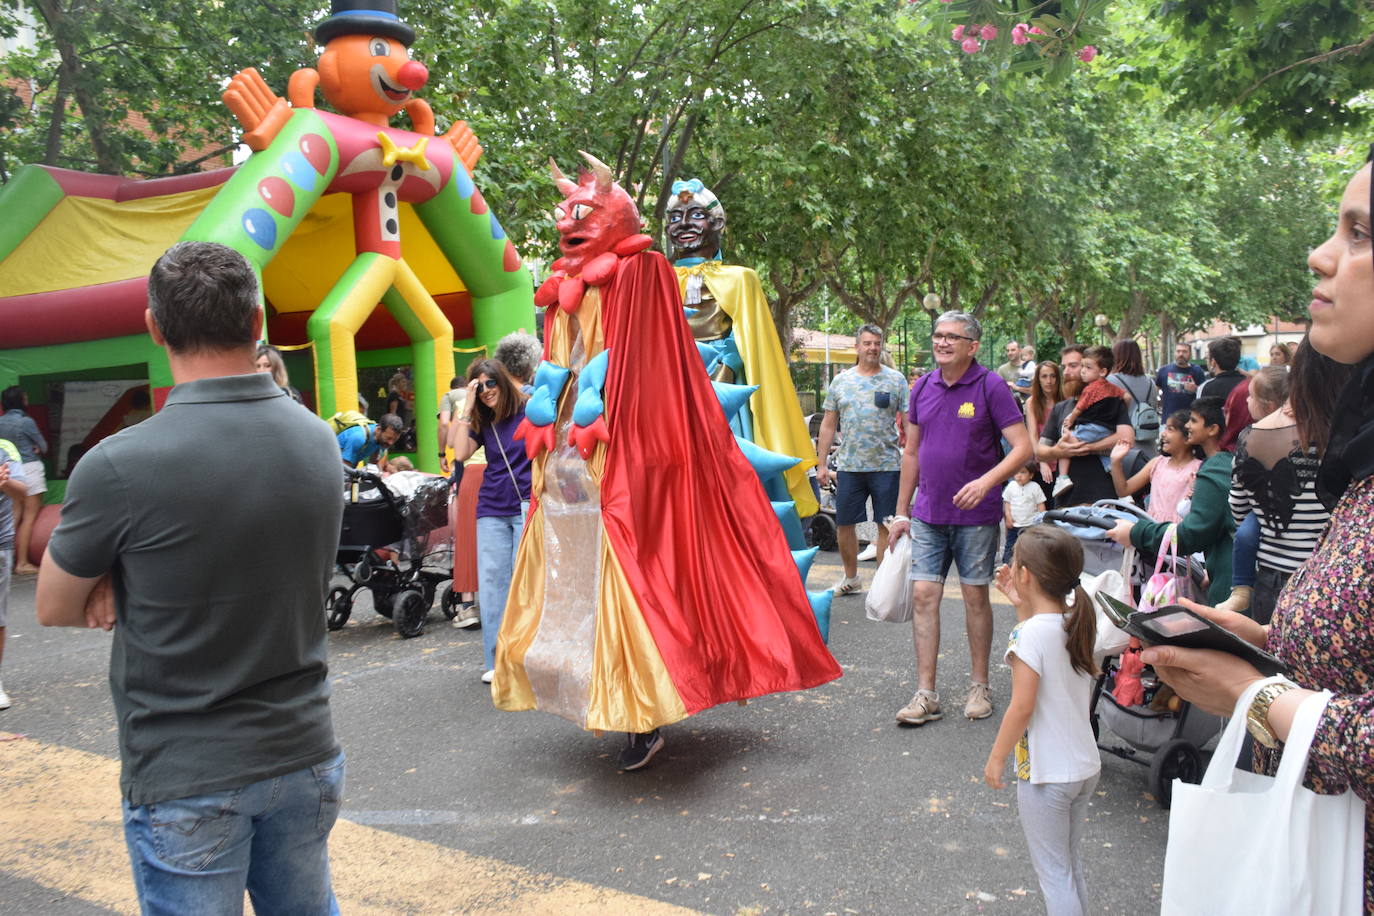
x=1024, y=501
x=1058, y=745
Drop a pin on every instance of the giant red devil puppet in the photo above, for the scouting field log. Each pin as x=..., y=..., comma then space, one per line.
x=653, y=579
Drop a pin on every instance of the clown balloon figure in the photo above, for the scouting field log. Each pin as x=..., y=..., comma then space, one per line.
x=730, y=320
x=653, y=579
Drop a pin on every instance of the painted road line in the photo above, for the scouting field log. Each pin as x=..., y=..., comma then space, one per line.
x=60, y=827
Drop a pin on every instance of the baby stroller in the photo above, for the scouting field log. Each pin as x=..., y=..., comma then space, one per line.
x=402, y=588
x=1166, y=736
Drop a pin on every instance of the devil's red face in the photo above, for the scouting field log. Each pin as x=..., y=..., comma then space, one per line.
x=591, y=219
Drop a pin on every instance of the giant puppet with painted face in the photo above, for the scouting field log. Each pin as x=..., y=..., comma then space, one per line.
x=730, y=319
x=652, y=580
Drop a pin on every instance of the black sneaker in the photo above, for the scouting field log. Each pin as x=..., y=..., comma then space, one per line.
x=640, y=750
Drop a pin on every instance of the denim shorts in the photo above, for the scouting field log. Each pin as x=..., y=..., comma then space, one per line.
x=935, y=547
x=853, y=488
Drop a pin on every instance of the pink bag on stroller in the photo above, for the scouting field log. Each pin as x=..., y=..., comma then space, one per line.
x=1165, y=588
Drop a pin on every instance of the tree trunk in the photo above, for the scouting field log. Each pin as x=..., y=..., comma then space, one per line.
x=93, y=116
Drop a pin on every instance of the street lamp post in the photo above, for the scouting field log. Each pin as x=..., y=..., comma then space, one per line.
x=1101, y=321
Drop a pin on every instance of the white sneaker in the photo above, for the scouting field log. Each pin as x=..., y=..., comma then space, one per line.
x=845, y=586
x=488, y=676
x=1062, y=485
x=5, y=702
x=869, y=553
x=467, y=616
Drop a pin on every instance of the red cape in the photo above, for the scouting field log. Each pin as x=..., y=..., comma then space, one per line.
x=686, y=515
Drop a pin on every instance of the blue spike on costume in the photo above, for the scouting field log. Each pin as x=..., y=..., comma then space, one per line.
x=551, y=376
x=820, y=606
x=765, y=463
x=590, y=383
x=791, y=523
x=549, y=379
x=540, y=409
x=804, y=559
x=733, y=397
x=707, y=354
x=594, y=373
x=589, y=406
x=689, y=312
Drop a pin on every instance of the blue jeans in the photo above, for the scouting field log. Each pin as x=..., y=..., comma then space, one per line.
x=498, y=538
x=1094, y=432
x=934, y=548
x=1245, y=552
x=198, y=854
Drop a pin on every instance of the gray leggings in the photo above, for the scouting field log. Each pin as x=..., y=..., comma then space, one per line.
x=1053, y=815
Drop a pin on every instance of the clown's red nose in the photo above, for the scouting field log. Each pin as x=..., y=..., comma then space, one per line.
x=412, y=75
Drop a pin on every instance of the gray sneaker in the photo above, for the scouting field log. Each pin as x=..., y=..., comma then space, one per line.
x=924, y=707
x=467, y=616
x=979, y=705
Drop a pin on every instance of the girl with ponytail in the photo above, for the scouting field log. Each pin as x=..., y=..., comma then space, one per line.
x=1046, y=723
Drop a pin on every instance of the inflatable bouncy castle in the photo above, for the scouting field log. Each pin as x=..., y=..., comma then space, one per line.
x=373, y=243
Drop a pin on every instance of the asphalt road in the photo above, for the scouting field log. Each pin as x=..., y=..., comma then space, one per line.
x=798, y=803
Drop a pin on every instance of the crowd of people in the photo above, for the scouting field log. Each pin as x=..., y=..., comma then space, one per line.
x=1260, y=473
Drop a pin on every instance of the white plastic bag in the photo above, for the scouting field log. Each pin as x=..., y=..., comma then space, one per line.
x=889, y=597
x=1110, y=639
x=1248, y=844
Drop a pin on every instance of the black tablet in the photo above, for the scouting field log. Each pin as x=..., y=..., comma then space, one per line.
x=1175, y=625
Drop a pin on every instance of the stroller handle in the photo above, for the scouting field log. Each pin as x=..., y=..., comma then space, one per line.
x=1073, y=518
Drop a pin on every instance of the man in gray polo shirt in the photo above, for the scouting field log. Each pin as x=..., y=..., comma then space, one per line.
x=212, y=575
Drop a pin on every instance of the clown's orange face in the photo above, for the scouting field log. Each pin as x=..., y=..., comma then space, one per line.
x=369, y=77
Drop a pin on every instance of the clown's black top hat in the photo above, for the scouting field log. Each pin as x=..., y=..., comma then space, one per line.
x=364, y=17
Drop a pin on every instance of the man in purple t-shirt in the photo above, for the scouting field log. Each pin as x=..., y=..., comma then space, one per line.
x=957, y=419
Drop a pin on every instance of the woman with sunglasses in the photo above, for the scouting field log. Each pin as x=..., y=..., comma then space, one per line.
x=1323, y=625
x=494, y=408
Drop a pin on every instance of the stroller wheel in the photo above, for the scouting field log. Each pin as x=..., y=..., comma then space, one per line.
x=821, y=533
x=449, y=603
x=338, y=606
x=410, y=613
x=363, y=571
x=1174, y=759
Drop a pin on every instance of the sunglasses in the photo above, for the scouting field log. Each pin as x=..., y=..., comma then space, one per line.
x=488, y=384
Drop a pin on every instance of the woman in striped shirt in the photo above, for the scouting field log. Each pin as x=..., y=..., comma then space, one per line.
x=1275, y=475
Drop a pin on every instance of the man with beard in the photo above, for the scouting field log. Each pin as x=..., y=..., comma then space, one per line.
x=1091, y=481
x=1178, y=382
x=730, y=320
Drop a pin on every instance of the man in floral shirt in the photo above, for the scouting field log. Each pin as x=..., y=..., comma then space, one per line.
x=868, y=405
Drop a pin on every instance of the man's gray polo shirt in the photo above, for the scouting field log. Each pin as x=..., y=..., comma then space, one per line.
x=221, y=559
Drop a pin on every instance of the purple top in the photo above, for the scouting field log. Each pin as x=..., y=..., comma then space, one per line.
x=497, y=498
x=961, y=433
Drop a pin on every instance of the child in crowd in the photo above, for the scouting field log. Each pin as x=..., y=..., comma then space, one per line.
x=1170, y=475
x=1207, y=527
x=1046, y=722
x=1021, y=499
x=1094, y=416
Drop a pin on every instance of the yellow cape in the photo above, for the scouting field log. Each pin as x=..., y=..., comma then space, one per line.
x=778, y=423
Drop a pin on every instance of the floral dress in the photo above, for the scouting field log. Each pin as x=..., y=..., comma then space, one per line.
x=1324, y=629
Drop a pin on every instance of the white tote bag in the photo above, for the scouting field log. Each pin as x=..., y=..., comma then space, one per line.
x=1257, y=845
x=889, y=596
x=1110, y=639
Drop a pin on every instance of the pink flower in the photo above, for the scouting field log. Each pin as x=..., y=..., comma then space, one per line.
x=1018, y=35
x=958, y=34
x=1087, y=53
x=1036, y=30
x=971, y=45
x=989, y=32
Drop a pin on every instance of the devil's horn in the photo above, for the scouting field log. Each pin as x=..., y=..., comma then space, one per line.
x=561, y=180
x=601, y=170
